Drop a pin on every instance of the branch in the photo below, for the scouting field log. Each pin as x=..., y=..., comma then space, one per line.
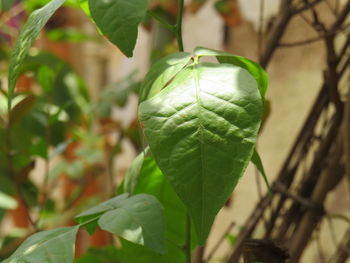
x=314, y=39
x=306, y=6
x=277, y=33
x=342, y=16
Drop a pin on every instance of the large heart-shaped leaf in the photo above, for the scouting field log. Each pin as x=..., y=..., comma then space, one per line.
x=202, y=130
x=139, y=219
x=54, y=246
x=253, y=68
x=28, y=34
x=119, y=20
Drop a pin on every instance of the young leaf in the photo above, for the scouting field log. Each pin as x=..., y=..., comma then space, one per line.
x=28, y=34
x=119, y=20
x=256, y=160
x=162, y=72
x=97, y=211
x=253, y=68
x=138, y=219
x=202, y=130
x=54, y=246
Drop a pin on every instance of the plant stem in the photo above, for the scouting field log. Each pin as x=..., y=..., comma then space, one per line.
x=187, y=247
x=178, y=26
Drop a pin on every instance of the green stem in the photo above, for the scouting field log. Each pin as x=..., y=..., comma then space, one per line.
x=178, y=26
x=188, y=239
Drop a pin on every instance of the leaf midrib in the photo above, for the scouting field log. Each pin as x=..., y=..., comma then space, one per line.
x=200, y=137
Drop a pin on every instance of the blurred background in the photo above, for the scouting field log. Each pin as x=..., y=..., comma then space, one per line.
x=77, y=132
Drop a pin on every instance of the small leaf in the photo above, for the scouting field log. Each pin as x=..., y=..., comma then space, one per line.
x=232, y=239
x=7, y=202
x=253, y=68
x=256, y=160
x=162, y=72
x=152, y=181
x=54, y=246
x=202, y=130
x=138, y=219
x=28, y=34
x=98, y=210
x=119, y=20
x=133, y=172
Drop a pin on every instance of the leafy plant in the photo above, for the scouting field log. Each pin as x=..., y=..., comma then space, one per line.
x=200, y=120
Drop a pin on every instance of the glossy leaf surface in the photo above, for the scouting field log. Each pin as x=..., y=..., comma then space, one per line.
x=54, y=246
x=202, y=130
x=28, y=34
x=253, y=68
x=162, y=72
x=118, y=20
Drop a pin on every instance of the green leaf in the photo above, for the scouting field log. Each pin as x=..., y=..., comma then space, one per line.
x=97, y=211
x=138, y=219
x=39, y=148
x=7, y=202
x=133, y=173
x=46, y=78
x=253, y=68
x=202, y=131
x=132, y=253
x=162, y=72
x=152, y=181
x=101, y=254
x=28, y=34
x=119, y=20
x=256, y=160
x=54, y=246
